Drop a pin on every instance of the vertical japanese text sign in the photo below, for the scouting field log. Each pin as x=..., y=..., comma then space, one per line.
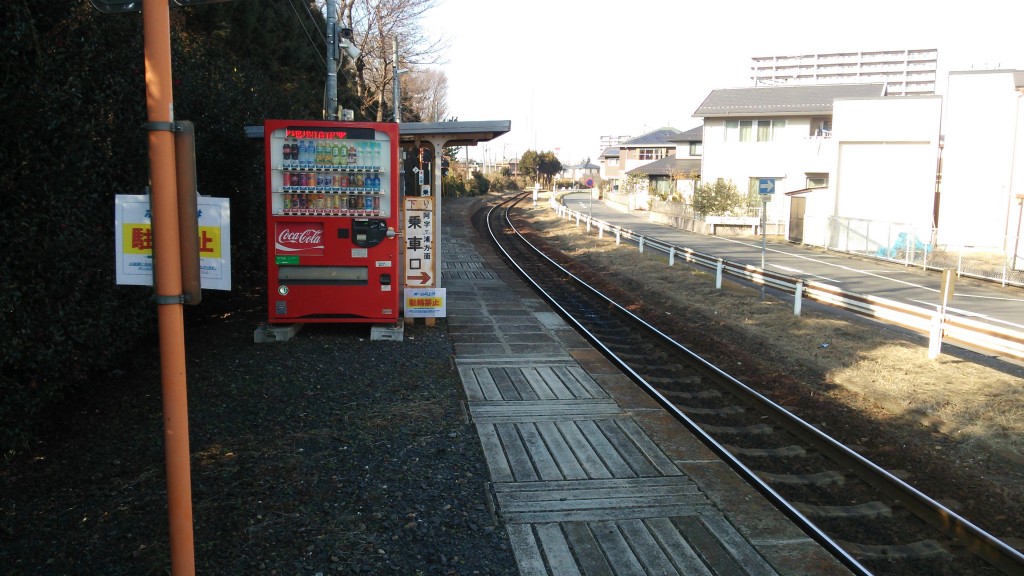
x=418, y=236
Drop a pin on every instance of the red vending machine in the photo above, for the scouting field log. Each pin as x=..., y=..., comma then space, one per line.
x=332, y=213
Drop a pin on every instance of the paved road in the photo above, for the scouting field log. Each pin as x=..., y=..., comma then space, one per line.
x=983, y=301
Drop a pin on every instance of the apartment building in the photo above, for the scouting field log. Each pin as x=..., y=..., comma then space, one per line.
x=902, y=72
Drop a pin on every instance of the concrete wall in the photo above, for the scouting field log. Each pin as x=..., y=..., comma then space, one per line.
x=983, y=163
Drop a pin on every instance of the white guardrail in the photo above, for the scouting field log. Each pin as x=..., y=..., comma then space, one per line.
x=939, y=327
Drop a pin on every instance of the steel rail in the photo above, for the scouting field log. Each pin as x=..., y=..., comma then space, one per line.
x=746, y=473
x=978, y=541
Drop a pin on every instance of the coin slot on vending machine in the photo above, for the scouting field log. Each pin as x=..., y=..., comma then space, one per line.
x=368, y=233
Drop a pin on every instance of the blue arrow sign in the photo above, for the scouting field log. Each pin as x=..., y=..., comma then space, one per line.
x=766, y=186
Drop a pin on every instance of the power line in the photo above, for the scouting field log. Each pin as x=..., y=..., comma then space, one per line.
x=313, y=20
x=316, y=47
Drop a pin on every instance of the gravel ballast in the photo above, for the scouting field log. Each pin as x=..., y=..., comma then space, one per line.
x=326, y=454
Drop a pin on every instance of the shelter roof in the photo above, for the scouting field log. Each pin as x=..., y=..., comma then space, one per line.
x=456, y=133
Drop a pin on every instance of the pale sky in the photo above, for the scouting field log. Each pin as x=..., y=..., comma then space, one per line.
x=566, y=72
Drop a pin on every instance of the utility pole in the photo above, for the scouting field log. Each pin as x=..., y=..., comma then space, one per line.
x=167, y=282
x=332, y=56
x=397, y=96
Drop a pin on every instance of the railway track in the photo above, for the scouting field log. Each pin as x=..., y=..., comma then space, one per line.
x=871, y=520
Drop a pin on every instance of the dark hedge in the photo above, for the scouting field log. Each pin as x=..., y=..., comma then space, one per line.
x=72, y=99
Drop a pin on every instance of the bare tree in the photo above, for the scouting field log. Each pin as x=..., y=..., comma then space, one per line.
x=426, y=94
x=376, y=24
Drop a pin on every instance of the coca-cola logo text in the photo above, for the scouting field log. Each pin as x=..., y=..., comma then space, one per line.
x=308, y=236
x=301, y=239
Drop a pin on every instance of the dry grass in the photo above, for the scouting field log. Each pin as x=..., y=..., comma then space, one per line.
x=975, y=400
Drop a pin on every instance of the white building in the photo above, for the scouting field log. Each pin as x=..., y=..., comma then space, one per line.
x=782, y=133
x=858, y=170
x=903, y=72
x=982, y=178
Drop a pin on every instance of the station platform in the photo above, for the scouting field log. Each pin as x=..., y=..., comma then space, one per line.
x=588, y=474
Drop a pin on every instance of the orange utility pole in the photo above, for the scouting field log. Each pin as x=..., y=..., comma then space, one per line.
x=167, y=281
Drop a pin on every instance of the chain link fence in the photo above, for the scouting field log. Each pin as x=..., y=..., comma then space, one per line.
x=916, y=246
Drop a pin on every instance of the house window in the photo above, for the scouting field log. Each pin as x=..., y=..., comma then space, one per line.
x=817, y=180
x=821, y=127
x=753, y=130
x=746, y=130
x=696, y=148
x=613, y=161
x=651, y=153
x=732, y=131
x=768, y=130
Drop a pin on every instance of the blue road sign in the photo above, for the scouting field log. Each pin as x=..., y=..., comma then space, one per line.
x=766, y=186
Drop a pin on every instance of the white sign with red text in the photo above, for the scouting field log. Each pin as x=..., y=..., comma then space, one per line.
x=425, y=303
x=133, y=241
